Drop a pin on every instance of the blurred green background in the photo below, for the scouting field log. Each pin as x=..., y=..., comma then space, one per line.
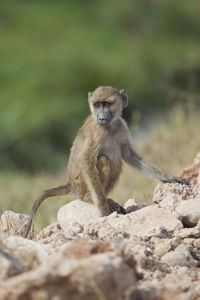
x=53, y=52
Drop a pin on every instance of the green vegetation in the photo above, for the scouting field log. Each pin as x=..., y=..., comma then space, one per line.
x=54, y=52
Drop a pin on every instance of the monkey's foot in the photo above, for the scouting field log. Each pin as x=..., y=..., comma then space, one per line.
x=114, y=206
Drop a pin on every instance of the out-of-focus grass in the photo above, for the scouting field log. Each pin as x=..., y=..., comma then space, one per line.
x=172, y=144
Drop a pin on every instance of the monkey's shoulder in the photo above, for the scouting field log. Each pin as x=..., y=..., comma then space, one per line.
x=119, y=126
x=87, y=128
x=85, y=136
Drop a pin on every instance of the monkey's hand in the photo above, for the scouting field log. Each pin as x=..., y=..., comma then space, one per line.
x=172, y=179
x=110, y=207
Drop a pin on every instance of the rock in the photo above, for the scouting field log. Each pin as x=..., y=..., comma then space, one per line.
x=198, y=178
x=196, y=243
x=9, y=266
x=53, y=243
x=29, y=253
x=76, y=211
x=181, y=200
x=150, y=292
x=168, y=195
x=181, y=256
x=83, y=248
x=146, y=222
x=188, y=241
x=189, y=211
x=146, y=254
x=131, y=202
x=132, y=205
x=49, y=231
x=12, y=224
x=104, y=275
x=163, y=246
x=51, y=238
x=191, y=172
x=189, y=233
x=174, y=258
x=183, y=280
x=73, y=231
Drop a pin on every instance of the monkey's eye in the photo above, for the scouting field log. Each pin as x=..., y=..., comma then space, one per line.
x=107, y=104
x=97, y=105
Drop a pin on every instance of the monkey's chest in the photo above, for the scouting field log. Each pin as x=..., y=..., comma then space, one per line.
x=109, y=164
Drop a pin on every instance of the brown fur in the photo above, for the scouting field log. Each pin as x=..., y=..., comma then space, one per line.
x=96, y=157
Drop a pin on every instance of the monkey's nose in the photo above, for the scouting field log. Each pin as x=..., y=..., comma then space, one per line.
x=102, y=119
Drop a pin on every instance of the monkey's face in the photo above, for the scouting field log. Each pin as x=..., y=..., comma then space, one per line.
x=103, y=112
x=106, y=104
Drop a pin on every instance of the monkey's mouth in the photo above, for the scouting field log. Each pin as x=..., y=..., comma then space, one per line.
x=103, y=122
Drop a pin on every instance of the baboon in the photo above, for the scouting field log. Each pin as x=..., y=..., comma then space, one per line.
x=97, y=153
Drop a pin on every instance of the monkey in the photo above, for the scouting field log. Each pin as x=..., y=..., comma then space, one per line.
x=97, y=154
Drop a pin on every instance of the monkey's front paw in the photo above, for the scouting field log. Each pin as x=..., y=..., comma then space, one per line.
x=178, y=180
x=182, y=180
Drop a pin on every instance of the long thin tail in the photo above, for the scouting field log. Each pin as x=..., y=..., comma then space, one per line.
x=58, y=191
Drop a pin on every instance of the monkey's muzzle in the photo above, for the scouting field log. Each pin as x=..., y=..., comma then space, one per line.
x=104, y=119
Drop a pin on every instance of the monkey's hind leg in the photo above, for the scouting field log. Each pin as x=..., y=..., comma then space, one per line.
x=58, y=191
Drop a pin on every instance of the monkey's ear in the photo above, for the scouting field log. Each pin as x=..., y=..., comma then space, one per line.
x=89, y=94
x=124, y=97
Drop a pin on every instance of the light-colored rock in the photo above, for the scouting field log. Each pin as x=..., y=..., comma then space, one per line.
x=145, y=254
x=76, y=211
x=82, y=248
x=189, y=211
x=12, y=224
x=198, y=178
x=181, y=200
x=104, y=276
x=191, y=172
x=131, y=202
x=48, y=231
x=29, y=253
x=163, y=246
x=181, y=256
x=193, y=232
x=196, y=243
x=139, y=250
x=183, y=280
x=73, y=230
x=168, y=195
x=51, y=238
x=188, y=241
x=53, y=243
x=9, y=266
x=132, y=205
x=174, y=258
x=146, y=222
x=154, y=291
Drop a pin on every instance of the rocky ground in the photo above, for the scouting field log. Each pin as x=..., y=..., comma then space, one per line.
x=151, y=253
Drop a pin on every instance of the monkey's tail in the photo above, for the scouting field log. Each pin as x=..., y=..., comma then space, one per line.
x=58, y=191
